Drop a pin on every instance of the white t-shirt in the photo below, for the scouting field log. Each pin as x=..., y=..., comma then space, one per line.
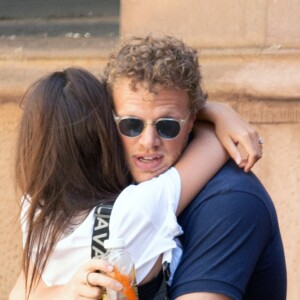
x=143, y=214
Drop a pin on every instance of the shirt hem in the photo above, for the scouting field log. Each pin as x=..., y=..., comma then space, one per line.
x=206, y=286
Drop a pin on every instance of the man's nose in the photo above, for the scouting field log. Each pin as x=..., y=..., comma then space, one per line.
x=149, y=137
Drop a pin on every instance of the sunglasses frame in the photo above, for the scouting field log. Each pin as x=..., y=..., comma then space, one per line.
x=150, y=122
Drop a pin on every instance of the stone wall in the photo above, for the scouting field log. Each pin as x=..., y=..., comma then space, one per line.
x=217, y=24
x=250, y=57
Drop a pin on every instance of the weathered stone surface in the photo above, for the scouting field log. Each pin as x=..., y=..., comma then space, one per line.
x=255, y=76
x=283, y=24
x=219, y=24
x=250, y=57
x=230, y=24
x=10, y=235
x=17, y=74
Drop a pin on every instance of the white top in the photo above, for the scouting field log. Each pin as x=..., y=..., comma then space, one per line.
x=143, y=214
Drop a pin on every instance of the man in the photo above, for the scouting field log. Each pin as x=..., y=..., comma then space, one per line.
x=232, y=247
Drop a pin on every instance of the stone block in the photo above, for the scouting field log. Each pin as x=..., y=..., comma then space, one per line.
x=283, y=26
x=215, y=23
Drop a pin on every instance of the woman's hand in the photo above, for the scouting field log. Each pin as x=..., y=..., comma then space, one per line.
x=86, y=283
x=233, y=130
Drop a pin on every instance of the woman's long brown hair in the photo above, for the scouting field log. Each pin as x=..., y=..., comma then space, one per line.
x=69, y=158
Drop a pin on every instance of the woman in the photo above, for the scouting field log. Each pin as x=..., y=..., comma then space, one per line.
x=68, y=161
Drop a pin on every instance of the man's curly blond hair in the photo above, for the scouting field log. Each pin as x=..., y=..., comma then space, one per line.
x=165, y=61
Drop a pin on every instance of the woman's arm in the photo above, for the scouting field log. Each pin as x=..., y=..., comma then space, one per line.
x=201, y=160
x=232, y=130
x=76, y=288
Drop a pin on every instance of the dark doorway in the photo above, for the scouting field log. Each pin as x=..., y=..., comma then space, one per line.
x=58, y=18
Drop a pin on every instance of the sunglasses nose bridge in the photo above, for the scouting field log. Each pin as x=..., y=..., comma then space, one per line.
x=149, y=136
x=148, y=122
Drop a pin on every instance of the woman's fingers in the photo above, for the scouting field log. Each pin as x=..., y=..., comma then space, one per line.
x=95, y=274
x=253, y=149
x=232, y=150
x=91, y=292
x=232, y=130
x=249, y=155
x=99, y=265
x=96, y=279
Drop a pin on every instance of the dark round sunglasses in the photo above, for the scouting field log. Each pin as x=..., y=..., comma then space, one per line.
x=167, y=128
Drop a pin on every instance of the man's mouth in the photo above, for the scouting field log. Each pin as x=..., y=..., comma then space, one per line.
x=148, y=163
x=149, y=159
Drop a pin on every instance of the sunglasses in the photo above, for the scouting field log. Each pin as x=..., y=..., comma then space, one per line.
x=167, y=128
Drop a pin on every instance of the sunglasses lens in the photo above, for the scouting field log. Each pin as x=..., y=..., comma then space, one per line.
x=131, y=127
x=168, y=129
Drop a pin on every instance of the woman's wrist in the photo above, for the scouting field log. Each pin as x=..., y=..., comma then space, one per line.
x=212, y=111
